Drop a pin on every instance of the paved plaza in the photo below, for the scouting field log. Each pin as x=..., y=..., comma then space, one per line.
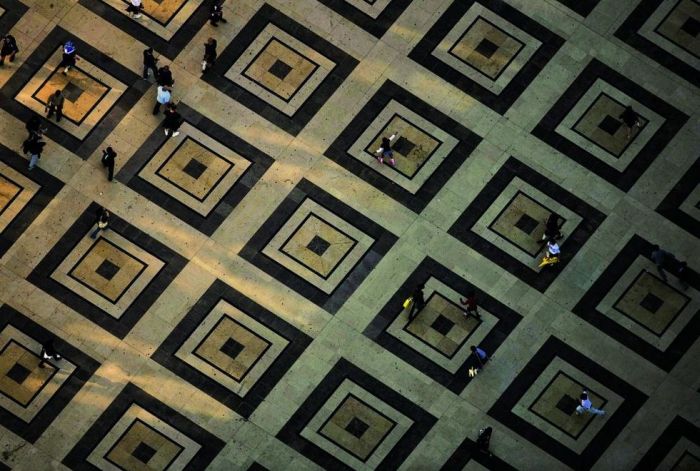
x=245, y=309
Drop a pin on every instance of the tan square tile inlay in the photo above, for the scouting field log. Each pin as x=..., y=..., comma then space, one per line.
x=143, y=448
x=522, y=223
x=21, y=378
x=680, y=26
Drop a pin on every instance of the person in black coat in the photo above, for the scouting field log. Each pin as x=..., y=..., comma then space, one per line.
x=108, y=156
x=165, y=77
x=34, y=127
x=8, y=49
x=418, y=301
x=150, y=63
x=172, y=120
x=48, y=352
x=209, y=55
x=217, y=13
x=33, y=147
x=102, y=221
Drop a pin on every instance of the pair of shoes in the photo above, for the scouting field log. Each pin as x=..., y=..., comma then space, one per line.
x=393, y=162
x=138, y=15
x=381, y=160
x=176, y=133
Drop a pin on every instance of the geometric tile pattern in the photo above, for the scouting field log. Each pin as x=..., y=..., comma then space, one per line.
x=352, y=420
x=375, y=17
x=111, y=280
x=677, y=447
x=137, y=431
x=488, y=49
x=681, y=204
x=235, y=350
x=437, y=340
x=31, y=397
x=582, y=7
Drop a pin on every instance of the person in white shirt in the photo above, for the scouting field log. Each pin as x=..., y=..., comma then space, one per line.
x=553, y=248
x=163, y=97
x=586, y=405
x=134, y=9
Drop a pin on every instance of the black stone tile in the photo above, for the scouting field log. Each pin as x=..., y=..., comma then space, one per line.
x=567, y=404
x=210, y=445
x=670, y=207
x=610, y=125
x=280, y=69
x=356, y=427
x=143, y=453
x=457, y=380
x=403, y=146
x=582, y=7
x=232, y=348
x=486, y=48
x=243, y=405
x=85, y=367
x=442, y=324
x=679, y=429
x=194, y=168
x=14, y=10
x=18, y=373
x=587, y=309
x=318, y=246
x=207, y=224
x=691, y=26
x=72, y=92
x=526, y=223
x=374, y=26
x=500, y=102
x=651, y=303
x=107, y=269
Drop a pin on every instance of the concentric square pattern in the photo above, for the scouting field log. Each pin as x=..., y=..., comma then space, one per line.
x=682, y=204
x=374, y=16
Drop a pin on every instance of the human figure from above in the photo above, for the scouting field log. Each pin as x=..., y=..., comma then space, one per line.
x=551, y=228
x=8, y=48
x=150, y=63
x=108, y=157
x=483, y=441
x=172, y=120
x=165, y=76
x=134, y=8
x=69, y=57
x=585, y=405
x=48, y=353
x=418, y=301
x=55, y=105
x=33, y=146
x=470, y=303
x=631, y=119
x=667, y=262
x=216, y=14
x=101, y=221
x=163, y=97
x=480, y=355
x=34, y=126
x=209, y=55
x=385, y=152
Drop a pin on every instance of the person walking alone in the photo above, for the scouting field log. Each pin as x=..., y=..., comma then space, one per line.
x=480, y=355
x=34, y=127
x=163, y=97
x=69, y=57
x=471, y=305
x=217, y=13
x=33, y=147
x=8, y=49
x=55, y=105
x=172, y=120
x=48, y=352
x=134, y=8
x=586, y=405
x=108, y=156
x=150, y=62
x=385, y=152
x=418, y=301
x=209, y=55
x=102, y=222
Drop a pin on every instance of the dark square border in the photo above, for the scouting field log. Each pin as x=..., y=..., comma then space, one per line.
x=384, y=130
x=301, y=85
x=633, y=399
x=629, y=141
x=467, y=142
x=455, y=382
x=210, y=444
x=677, y=429
x=628, y=33
x=14, y=10
x=41, y=275
x=493, y=79
x=311, y=213
x=670, y=207
x=586, y=309
x=49, y=187
x=467, y=451
x=244, y=406
x=106, y=455
x=320, y=430
x=687, y=300
x=575, y=437
x=143, y=264
x=422, y=53
x=168, y=48
x=344, y=65
x=85, y=367
x=546, y=128
x=165, y=162
x=374, y=26
x=461, y=229
x=656, y=30
x=383, y=241
x=582, y=7
x=218, y=368
x=94, y=79
x=136, y=87
x=343, y=369
x=260, y=162
x=48, y=380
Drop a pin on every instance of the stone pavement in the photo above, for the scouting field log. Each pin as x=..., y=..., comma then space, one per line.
x=245, y=307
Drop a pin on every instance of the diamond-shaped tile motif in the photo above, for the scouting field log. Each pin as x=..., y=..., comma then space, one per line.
x=318, y=246
x=72, y=92
x=356, y=427
x=232, y=348
x=610, y=125
x=143, y=453
x=691, y=26
x=194, y=168
x=280, y=69
x=403, y=146
x=526, y=223
x=107, y=269
x=442, y=324
x=18, y=373
x=487, y=48
x=567, y=404
x=651, y=303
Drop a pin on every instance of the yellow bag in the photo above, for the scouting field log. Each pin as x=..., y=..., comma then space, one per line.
x=407, y=302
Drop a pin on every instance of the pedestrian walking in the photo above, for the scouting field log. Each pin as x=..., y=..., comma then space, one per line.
x=483, y=441
x=209, y=55
x=480, y=355
x=134, y=8
x=667, y=262
x=102, y=222
x=217, y=13
x=165, y=77
x=631, y=119
x=150, y=62
x=69, y=57
x=108, y=156
x=8, y=49
x=34, y=127
x=33, y=147
x=418, y=301
x=55, y=105
x=172, y=120
x=586, y=405
x=163, y=97
x=385, y=152
x=471, y=305
x=551, y=228
x=552, y=253
x=48, y=353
